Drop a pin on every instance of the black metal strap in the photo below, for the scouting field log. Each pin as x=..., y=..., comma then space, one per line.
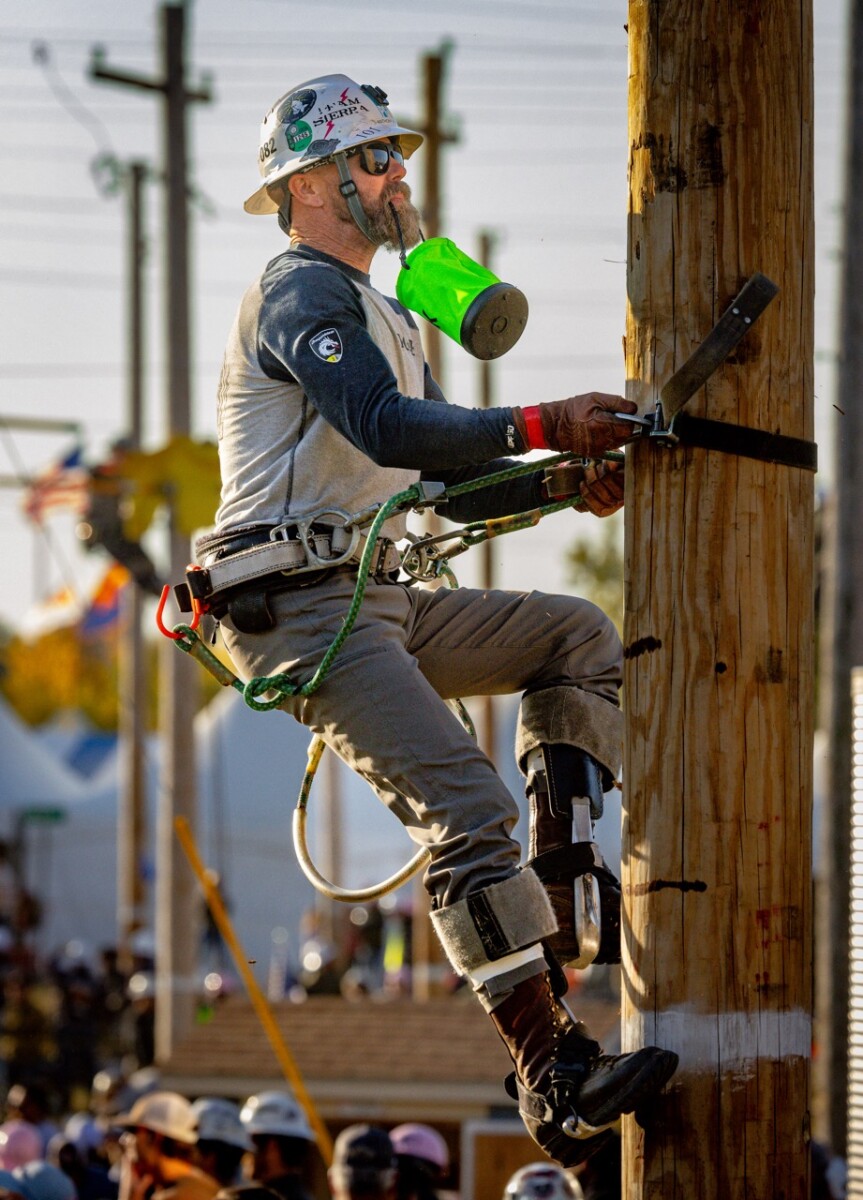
x=731, y=327
x=745, y=441
x=565, y=863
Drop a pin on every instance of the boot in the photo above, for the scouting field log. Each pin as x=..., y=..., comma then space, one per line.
x=565, y=794
x=570, y=1094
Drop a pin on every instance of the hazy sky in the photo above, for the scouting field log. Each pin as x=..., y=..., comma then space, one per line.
x=537, y=95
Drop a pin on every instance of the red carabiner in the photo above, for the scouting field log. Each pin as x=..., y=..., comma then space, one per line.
x=169, y=633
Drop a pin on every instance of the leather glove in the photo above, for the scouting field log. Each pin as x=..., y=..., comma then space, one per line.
x=583, y=424
x=600, y=485
x=602, y=488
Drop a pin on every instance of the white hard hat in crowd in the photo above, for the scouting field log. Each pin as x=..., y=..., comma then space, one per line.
x=167, y=1113
x=542, y=1181
x=316, y=120
x=218, y=1120
x=277, y=1114
x=421, y=1141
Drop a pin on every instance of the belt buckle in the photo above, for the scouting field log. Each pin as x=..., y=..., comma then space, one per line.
x=279, y=533
x=308, y=536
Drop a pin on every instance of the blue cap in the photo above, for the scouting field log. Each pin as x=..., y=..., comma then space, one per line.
x=40, y=1181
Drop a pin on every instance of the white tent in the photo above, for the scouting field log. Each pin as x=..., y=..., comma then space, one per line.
x=30, y=778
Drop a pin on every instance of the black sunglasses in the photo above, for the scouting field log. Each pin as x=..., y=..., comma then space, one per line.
x=375, y=156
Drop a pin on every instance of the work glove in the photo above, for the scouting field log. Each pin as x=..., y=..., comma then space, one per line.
x=599, y=484
x=583, y=424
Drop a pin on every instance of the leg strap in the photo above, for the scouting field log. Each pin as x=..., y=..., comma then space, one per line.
x=493, y=935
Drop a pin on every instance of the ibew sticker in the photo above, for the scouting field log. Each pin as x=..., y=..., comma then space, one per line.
x=327, y=345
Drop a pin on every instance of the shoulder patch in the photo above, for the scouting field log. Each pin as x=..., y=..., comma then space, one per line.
x=327, y=345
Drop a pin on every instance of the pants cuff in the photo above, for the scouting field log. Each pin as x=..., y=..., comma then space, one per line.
x=574, y=717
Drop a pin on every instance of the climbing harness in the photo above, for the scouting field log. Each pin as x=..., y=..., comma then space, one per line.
x=317, y=543
x=425, y=559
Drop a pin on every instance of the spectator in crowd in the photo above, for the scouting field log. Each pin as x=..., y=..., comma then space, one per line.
x=91, y=1183
x=222, y=1139
x=422, y=1161
x=141, y=991
x=39, y=1181
x=283, y=1140
x=542, y=1181
x=78, y=1150
x=31, y=1102
x=364, y=1165
x=157, y=1149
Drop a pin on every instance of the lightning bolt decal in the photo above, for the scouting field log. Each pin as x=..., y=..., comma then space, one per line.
x=328, y=129
x=343, y=97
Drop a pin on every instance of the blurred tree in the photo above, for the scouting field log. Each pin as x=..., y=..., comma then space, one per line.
x=596, y=568
x=62, y=671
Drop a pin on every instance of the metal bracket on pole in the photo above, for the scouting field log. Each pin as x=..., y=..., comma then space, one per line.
x=669, y=425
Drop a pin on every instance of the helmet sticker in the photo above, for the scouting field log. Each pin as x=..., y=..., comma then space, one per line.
x=327, y=345
x=321, y=147
x=298, y=135
x=297, y=105
x=347, y=105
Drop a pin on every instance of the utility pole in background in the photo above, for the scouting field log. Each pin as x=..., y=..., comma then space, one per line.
x=132, y=677
x=428, y=963
x=842, y=640
x=436, y=136
x=716, y=852
x=486, y=400
x=177, y=903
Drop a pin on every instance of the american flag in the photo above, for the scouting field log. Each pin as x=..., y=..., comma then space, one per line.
x=64, y=484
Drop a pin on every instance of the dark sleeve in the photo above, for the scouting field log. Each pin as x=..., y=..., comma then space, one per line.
x=498, y=500
x=356, y=390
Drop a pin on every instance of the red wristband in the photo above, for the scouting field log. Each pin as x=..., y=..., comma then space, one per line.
x=533, y=425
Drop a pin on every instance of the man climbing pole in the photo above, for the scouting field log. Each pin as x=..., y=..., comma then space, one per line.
x=325, y=409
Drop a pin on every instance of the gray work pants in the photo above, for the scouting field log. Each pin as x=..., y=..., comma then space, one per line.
x=382, y=705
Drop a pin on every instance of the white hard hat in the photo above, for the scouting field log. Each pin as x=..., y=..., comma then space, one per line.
x=219, y=1121
x=542, y=1181
x=277, y=1114
x=167, y=1113
x=316, y=120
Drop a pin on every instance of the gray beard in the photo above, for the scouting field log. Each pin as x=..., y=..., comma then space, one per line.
x=382, y=224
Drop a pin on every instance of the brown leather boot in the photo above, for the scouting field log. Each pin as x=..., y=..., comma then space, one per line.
x=565, y=791
x=569, y=1092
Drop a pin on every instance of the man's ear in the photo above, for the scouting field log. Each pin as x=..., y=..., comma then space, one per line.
x=306, y=189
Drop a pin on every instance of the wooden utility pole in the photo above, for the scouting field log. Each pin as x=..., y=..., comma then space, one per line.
x=842, y=615
x=132, y=681
x=177, y=904
x=716, y=856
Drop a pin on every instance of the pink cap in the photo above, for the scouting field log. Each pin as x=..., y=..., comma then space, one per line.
x=421, y=1141
x=20, y=1143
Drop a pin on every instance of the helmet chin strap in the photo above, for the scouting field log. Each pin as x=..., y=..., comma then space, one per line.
x=349, y=190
